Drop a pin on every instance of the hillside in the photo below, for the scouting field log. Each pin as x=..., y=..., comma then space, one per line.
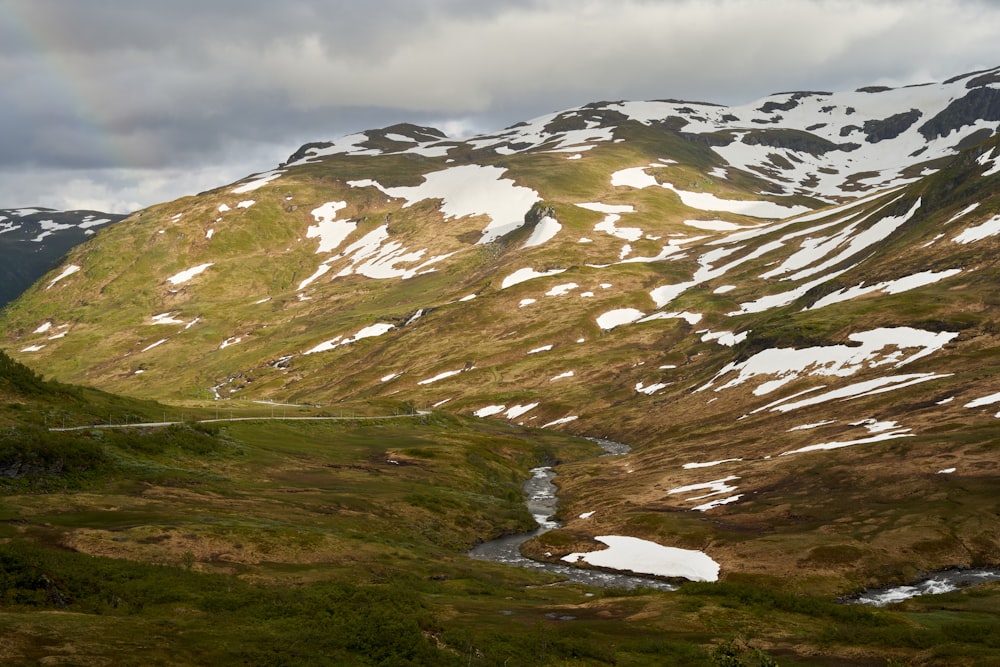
x=787, y=308
x=33, y=241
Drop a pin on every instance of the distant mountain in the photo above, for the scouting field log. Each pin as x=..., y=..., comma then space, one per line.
x=33, y=241
x=788, y=308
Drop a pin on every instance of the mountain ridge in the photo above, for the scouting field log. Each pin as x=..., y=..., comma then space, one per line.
x=716, y=286
x=34, y=240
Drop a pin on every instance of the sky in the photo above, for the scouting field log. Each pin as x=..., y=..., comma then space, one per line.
x=114, y=105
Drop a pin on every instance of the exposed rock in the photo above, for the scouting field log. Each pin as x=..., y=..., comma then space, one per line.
x=978, y=104
x=791, y=139
x=891, y=127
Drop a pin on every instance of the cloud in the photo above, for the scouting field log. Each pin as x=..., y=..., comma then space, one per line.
x=115, y=84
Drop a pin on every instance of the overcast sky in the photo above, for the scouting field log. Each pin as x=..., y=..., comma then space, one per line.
x=119, y=104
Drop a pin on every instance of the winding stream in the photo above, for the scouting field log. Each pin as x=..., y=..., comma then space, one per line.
x=541, y=501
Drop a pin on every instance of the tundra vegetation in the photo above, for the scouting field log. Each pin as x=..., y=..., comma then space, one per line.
x=293, y=542
x=787, y=309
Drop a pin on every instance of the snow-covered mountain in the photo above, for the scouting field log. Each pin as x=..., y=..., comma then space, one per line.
x=788, y=308
x=34, y=240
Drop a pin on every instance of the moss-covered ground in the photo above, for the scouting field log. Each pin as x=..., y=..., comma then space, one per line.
x=344, y=542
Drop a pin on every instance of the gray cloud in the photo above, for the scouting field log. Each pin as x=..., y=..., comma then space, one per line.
x=118, y=91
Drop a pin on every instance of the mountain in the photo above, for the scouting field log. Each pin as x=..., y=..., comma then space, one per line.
x=787, y=308
x=33, y=241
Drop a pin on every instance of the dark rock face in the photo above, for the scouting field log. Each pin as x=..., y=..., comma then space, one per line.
x=790, y=139
x=891, y=127
x=979, y=104
x=305, y=149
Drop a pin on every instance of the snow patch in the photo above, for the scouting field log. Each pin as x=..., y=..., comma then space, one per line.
x=727, y=338
x=704, y=507
x=716, y=486
x=517, y=410
x=446, y=374
x=523, y=275
x=188, y=274
x=544, y=231
x=807, y=427
x=897, y=286
x=331, y=232
x=166, y=318
x=891, y=435
x=989, y=228
x=489, y=411
x=234, y=340
x=564, y=420
x=156, y=344
x=561, y=290
x=259, y=182
x=714, y=225
x=68, y=271
x=708, y=464
x=367, y=332
x=985, y=400
x=644, y=557
x=618, y=317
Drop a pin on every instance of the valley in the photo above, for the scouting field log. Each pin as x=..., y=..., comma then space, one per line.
x=786, y=310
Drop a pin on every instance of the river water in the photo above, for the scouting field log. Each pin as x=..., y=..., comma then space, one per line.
x=944, y=581
x=541, y=501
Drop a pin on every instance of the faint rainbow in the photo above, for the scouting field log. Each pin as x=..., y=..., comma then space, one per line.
x=44, y=34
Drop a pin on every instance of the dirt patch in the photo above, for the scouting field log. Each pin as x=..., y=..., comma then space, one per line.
x=202, y=551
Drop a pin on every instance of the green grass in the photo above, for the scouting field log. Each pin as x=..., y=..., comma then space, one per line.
x=298, y=543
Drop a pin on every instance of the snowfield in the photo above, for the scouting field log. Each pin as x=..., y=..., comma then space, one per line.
x=645, y=557
x=469, y=190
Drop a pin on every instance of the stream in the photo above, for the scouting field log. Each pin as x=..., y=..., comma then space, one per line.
x=540, y=492
x=541, y=501
x=944, y=581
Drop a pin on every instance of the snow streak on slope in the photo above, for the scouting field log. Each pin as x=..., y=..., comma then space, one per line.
x=848, y=242
x=367, y=332
x=68, y=271
x=639, y=178
x=879, y=347
x=888, y=287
